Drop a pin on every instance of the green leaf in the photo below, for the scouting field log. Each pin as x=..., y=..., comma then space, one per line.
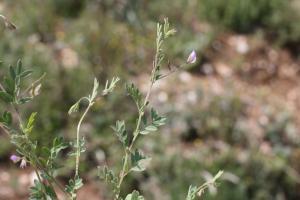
x=26, y=73
x=31, y=120
x=41, y=191
x=134, y=196
x=148, y=129
x=82, y=147
x=58, y=145
x=9, y=85
x=144, y=132
x=107, y=175
x=144, y=120
x=95, y=88
x=18, y=82
x=121, y=133
x=74, y=185
x=78, y=183
x=156, y=122
x=51, y=195
x=135, y=94
x=36, y=191
x=6, y=97
x=46, y=152
x=6, y=118
x=151, y=128
x=156, y=119
x=74, y=108
x=198, y=191
x=217, y=176
x=109, y=87
x=192, y=193
x=25, y=100
x=167, y=31
x=19, y=67
x=12, y=72
x=138, y=161
x=30, y=123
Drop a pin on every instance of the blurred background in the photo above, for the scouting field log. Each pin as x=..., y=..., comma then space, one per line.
x=236, y=109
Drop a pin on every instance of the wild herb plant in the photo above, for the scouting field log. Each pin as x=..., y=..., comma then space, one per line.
x=44, y=162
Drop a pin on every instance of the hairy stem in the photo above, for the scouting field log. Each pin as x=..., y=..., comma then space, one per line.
x=78, y=150
x=141, y=108
x=123, y=172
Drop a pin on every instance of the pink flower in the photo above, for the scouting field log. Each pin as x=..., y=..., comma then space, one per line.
x=192, y=58
x=23, y=163
x=15, y=158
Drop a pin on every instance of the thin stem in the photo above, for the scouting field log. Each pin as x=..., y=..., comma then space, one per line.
x=155, y=69
x=123, y=173
x=39, y=178
x=78, y=139
x=172, y=71
x=33, y=159
x=37, y=174
x=123, y=169
x=51, y=177
x=18, y=114
x=141, y=114
x=36, y=160
x=4, y=129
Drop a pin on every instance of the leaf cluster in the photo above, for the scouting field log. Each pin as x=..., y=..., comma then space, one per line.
x=156, y=122
x=41, y=191
x=10, y=91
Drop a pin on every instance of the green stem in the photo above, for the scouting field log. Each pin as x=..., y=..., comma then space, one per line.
x=4, y=129
x=18, y=114
x=141, y=114
x=35, y=158
x=123, y=172
x=78, y=138
x=40, y=167
x=141, y=109
x=36, y=164
x=39, y=178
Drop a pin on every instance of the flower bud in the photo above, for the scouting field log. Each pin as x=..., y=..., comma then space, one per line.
x=192, y=58
x=23, y=163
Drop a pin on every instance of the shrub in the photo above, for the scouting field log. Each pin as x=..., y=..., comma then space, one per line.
x=277, y=17
x=240, y=15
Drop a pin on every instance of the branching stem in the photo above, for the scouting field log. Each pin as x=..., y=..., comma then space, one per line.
x=136, y=132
